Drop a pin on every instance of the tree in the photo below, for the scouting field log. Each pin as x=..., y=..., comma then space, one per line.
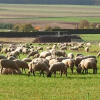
x=16, y=27
x=84, y=24
x=27, y=28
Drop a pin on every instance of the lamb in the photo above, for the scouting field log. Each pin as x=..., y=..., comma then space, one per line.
x=85, y=64
x=9, y=71
x=69, y=63
x=4, y=63
x=59, y=66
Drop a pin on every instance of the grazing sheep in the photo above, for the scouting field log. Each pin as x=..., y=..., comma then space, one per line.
x=32, y=53
x=44, y=54
x=88, y=44
x=11, y=58
x=70, y=55
x=21, y=64
x=9, y=71
x=2, y=57
x=52, y=61
x=27, y=60
x=69, y=63
x=60, y=53
x=87, y=49
x=79, y=55
x=98, y=55
x=4, y=63
x=85, y=64
x=61, y=58
x=40, y=66
x=59, y=66
x=73, y=48
x=14, y=54
x=80, y=58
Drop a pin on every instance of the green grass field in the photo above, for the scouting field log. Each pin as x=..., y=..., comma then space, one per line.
x=68, y=13
x=72, y=87
x=91, y=37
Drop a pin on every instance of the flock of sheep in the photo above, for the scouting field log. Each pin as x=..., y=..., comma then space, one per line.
x=46, y=61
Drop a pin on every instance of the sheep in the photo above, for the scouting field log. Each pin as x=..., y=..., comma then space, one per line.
x=73, y=48
x=26, y=59
x=98, y=55
x=11, y=58
x=45, y=54
x=32, y=53
x=87, y=49
x=70, y=55
x=88, y=44
x=52, y=61
x=61, y=58
x=99, y=44
x=69, y=63
x=40, y=66
x=4, y=63
x=14, y=54
x=25, y=50
x=2, y=57
x=9, y=71
x=79, y=54
x=21, y=64
x=80, y=58
x=85, y=64
x=60, y=53
x=59, y=66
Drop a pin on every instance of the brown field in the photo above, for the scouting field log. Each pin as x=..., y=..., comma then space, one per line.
x=16, y=40
x=65, y=16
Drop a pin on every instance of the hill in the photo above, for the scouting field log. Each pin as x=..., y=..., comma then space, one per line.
x=74, y=2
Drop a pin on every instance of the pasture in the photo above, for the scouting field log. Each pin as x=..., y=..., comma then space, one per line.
x=72, y=87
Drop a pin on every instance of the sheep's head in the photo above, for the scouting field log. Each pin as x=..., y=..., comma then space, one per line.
x=79, y=69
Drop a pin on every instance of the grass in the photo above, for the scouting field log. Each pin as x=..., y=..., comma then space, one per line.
x=91, y=37
x=72, y=87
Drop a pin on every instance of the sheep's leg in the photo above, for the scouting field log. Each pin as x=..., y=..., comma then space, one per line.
x=61, y=73
x=33, y=73
x=29, y=73
x=83, y=71
x=42, y=73
x=1, y=70
x=72, y=70
x=87, y=71
x=66, y=72
x=55, y=74
x=95, y=70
